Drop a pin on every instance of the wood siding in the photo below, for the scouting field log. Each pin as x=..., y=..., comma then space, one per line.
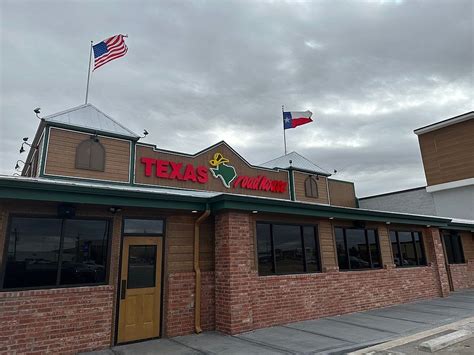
x=300, y=195
x=448, y=153
x=61, y=156
x=202, y=159
x=468, y=245
x=342, y=193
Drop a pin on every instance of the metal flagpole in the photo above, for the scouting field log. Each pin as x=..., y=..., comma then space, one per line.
x=89, y=73
x=284, y=130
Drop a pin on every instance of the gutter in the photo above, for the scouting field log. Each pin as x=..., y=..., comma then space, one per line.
x=197, y=270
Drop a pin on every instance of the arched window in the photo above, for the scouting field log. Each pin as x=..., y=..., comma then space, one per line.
x=90, y=155
x=311, y=187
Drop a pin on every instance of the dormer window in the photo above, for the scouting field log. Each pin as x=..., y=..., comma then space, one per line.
x=90, y=155
x=311, y=187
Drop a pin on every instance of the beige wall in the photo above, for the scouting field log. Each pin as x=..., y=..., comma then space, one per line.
x=342, y=193
x=447, y=153
x=61, y=156
x=300, y=195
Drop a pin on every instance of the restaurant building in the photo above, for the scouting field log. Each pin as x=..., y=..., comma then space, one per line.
x=106, y=240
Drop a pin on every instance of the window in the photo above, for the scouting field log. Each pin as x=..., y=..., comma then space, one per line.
x=47, y=252
x=357, y=248
x=90, y=155
x=287, y=249
x=453, y=246
x=311, y=187
x=143, y=226
x=407, y=248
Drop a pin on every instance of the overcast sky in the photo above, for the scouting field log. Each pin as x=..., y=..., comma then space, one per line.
x=198, y=72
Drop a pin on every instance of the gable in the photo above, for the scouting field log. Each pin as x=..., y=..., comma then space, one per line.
x=218, y=168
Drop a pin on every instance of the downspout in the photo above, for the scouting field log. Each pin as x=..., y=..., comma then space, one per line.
x=197, y=271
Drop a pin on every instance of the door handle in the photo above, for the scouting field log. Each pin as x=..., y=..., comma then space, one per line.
x=123, y=290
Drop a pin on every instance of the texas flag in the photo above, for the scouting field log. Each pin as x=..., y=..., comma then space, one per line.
x=294, y=119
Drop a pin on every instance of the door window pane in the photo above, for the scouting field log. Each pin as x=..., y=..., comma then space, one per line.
x=264, y=248
x=341, y=249
x=141, y=266
x=33, y=251
x=143, y=226
x=311, y=249
x=288, y=249
x=84, y=252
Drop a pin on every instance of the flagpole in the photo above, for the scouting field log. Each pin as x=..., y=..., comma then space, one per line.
x=284, y=130
x=89, y=73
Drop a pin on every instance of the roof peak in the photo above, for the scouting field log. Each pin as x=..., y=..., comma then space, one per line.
x=90, y=117
x=294, y=160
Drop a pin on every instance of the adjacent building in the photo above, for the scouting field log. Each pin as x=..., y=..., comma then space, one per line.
x=107, y=240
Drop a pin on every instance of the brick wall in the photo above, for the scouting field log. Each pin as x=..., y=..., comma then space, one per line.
x=56, y=321
x=246, y=301
x=234, y=282
x=179, y=313
x=462, y=275
x=283, y=299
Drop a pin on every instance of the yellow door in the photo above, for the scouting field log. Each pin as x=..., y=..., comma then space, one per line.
x=140, y=289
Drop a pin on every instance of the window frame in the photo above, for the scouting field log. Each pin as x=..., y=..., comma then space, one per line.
x=3, y=265
x=377, y=242
x=272, y=241
x=399, y=247
x=311, y=179
x=450, y=234
x=148, y=218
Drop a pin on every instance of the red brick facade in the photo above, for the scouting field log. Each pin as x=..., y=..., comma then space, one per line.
x=246, y=301
x=58, y=321
x=180, y=303
x=462, y=275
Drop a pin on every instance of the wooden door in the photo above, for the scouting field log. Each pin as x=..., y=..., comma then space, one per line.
x=140, y=289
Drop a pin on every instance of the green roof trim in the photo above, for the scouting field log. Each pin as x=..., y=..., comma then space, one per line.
x=43, y=191
x=246, y=203
x=460, y=226
x=113, y=195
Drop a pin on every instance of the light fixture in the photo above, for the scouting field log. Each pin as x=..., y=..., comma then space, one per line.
x=428, y=225
x=115, y=209
x=194, y=211
x=17, y=166
x=22, y=144
x=331, y=218
x=254, y=212
x=145, y=133
x=388, y=222
x=37, y=112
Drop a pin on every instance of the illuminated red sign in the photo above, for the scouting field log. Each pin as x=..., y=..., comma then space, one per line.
x=166, y=169
x=171, y=170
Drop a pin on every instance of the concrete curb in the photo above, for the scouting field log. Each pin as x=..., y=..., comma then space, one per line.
x=445, y=341
x=412, y=338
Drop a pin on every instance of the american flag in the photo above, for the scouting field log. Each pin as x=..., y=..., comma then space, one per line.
x=109, y=49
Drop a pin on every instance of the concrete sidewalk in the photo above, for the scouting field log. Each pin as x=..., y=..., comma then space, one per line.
x=332, y=335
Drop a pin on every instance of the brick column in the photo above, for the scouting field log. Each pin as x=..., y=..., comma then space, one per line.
x=233, y=272
x=437, y=259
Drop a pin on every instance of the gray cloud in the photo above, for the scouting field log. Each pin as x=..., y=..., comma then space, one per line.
x=201, y=71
